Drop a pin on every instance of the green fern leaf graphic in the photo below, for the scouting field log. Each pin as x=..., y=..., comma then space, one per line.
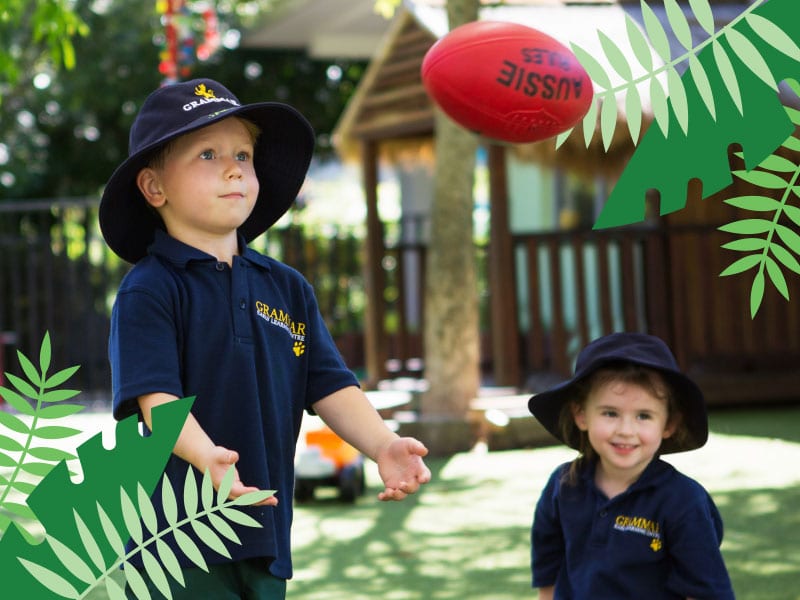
x=754, y=118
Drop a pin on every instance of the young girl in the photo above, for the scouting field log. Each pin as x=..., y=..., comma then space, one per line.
x=618, y=522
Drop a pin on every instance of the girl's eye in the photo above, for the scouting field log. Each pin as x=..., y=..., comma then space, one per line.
x=243, y=156
x=645, y=416
x=207, y=154
x=609, y=413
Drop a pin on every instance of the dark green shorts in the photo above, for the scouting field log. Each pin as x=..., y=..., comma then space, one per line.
x=242, y=580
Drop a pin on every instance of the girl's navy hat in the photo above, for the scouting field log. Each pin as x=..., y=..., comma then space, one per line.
x=281, y=158
x=639, y=349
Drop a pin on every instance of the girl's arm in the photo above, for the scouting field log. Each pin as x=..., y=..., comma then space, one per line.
x=546, y=593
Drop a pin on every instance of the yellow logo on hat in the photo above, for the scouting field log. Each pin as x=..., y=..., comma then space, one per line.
x=201, y=90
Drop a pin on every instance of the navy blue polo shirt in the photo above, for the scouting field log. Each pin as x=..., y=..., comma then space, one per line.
x=249, y=342
x=659, y=539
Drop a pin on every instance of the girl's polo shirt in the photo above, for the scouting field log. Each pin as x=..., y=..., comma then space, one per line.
x=659, y=539
x=250, y=343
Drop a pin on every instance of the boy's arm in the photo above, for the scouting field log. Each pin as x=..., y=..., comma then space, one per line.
x=195, y=447
x=351, y=415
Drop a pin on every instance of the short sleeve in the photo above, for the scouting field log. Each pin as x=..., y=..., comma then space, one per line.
x=547, y=538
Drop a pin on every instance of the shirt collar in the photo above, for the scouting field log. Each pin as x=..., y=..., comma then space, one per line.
x=181, y=254
x=653, y=475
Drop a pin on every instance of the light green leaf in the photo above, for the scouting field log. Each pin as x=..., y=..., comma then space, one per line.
x=20, y=510
x=21, y=486
x=168, y=502
x=756, y=293
x=7, y=461
x=633, y=112
x=60, y=377
x=656, y=33
x=58, y=411
x=680, y=26
x=170, y=561
x=71, y=561
x=608, y=119
x=39, y=469
x=209, y=538
x=792, y=143
x=728, y=74
x=615, y=56
x=562, y=137
x=146, y=510
x=789, y=237
x=207, y=491
x=778, y=280
x=10, y=444
x=52, y=581
x=252, y=497
x=113, y=589
x=754, y=203
x=786, y=258
x=748, y=227
x=51, y=454
x=658, y=101
x=225, y=485
x=793, y=213
x=677, y=97
x=44, y=357
x=743, y=264
x=22, y=386
x=773, y=35
x=156, y=573
x=593, y=68
x=131, y=517
x=778, y=164
x=89, y=543
x=59, y=395
x=703, y=14
x=639, y=44
x=703, y=86
x=750, y=57
x=30, y=372
x=136, y=582
x=589, y=121
x=762, y=179
x=222, y=527
x=111, y=533
x=190, y=549
x=794, y=115
x=238, y=517
x=190, y=493
x=17, y=402
x=55, y=432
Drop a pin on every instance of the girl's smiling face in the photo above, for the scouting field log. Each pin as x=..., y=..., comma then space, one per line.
x=625, y=423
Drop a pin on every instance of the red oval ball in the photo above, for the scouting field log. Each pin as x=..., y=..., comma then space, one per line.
x=507, y=81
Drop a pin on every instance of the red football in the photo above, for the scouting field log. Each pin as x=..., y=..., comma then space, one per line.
x=507, y=81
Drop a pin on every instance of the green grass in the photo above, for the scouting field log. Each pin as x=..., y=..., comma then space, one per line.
x=466, y=535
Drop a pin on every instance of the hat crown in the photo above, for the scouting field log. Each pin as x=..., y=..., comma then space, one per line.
x=639, y=348
x=172, y=108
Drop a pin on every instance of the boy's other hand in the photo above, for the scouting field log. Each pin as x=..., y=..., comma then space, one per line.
x=219, y=462
x=401, y=468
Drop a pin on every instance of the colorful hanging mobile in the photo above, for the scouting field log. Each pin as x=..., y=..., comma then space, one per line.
x=183, y=27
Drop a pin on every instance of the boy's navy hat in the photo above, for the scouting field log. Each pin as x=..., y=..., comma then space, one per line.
x=639, y=349
x=281, y=158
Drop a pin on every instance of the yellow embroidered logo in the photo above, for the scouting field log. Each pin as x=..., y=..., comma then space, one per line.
x=280, y=318
x=655, y=545
x=641, y=526
x=202, y=90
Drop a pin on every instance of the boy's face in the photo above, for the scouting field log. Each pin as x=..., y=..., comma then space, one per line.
x=207, y=184
x=625, y=424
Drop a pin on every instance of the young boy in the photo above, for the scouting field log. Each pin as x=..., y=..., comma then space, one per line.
x=618, y=522
x=200, y=314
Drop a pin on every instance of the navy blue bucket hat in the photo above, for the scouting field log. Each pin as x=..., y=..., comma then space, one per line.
x=634, y=348
x=282, y=155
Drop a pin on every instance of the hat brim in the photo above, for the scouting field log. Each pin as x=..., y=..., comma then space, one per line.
x=547, y=406
x=281, y=159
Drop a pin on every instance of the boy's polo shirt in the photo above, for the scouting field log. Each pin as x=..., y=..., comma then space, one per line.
x=250, y=343
x=659, y=539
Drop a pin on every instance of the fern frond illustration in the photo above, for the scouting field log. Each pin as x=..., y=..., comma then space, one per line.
x=767, y=243
x=753, y=117
x=667, y=88
x=26, y=453
x=88, y=564
x=134, y=461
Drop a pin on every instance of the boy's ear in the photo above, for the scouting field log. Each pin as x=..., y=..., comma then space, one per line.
x=150, y=186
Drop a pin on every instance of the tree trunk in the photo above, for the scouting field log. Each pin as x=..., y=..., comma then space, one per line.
x=452, y=349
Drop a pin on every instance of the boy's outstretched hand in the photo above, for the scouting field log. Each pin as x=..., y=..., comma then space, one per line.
x=401, y=468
